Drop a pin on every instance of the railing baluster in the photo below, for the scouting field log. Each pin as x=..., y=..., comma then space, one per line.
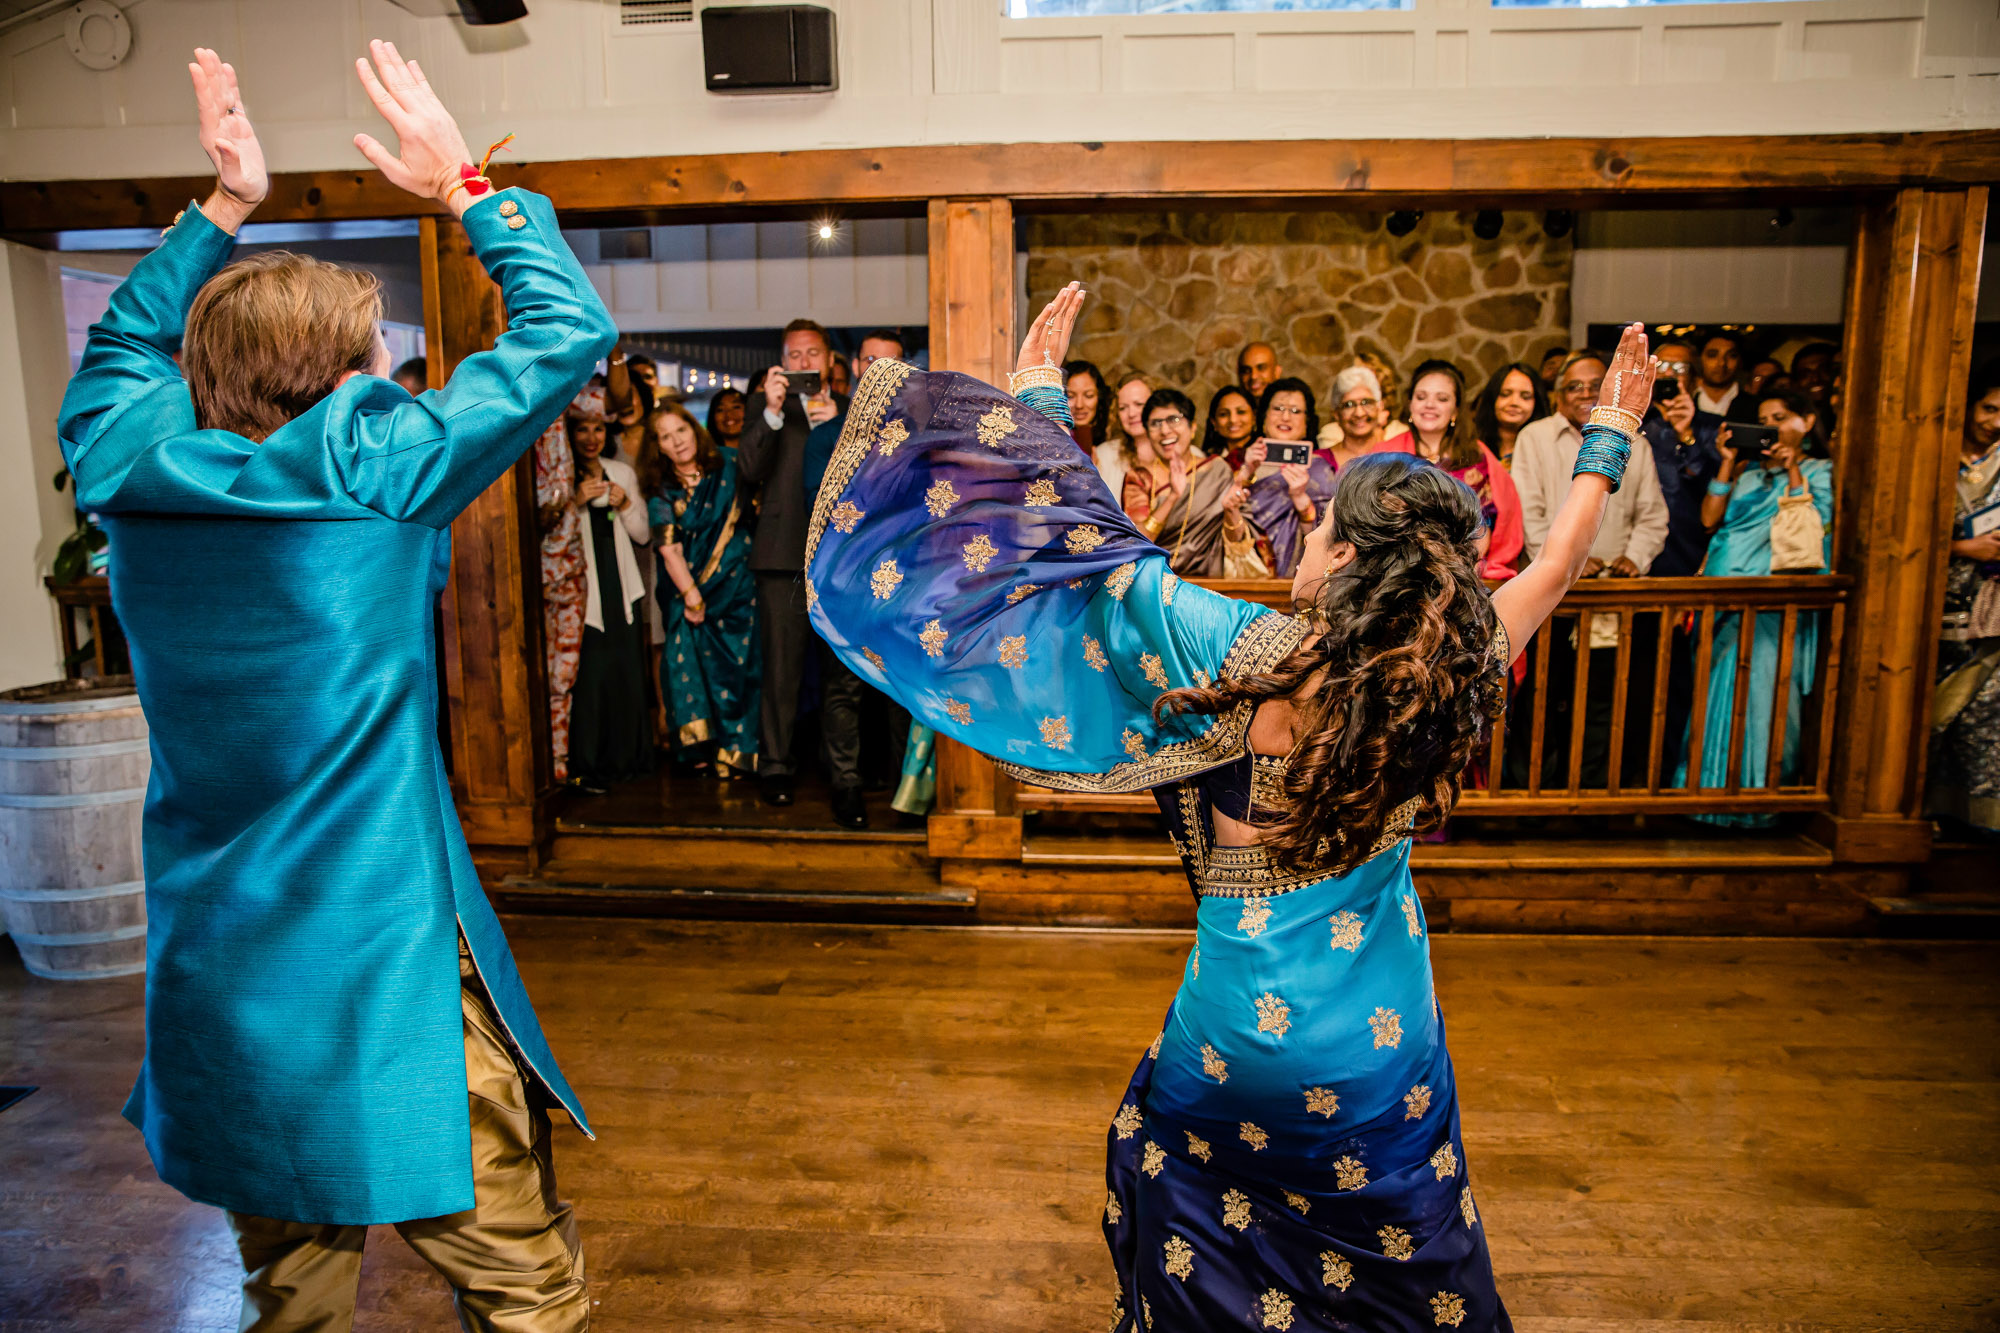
x=1544, y=638
x=1657, y=735
x=1829, y=659
x=1746, y=647
x=1698, y=720
x=1781, y=698
x=1614, y=766
x=1496, y=751
x=1579, y=700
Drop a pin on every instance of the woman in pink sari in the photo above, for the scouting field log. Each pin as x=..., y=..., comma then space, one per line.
x=1442, y=432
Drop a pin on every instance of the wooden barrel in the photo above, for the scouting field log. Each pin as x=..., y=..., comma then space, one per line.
x=73, y=766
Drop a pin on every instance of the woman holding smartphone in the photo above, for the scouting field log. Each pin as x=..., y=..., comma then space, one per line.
x=1286, y=492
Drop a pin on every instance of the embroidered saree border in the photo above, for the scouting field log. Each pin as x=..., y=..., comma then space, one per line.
x=879, y=386
x=1266, y=641
x=1249, y=872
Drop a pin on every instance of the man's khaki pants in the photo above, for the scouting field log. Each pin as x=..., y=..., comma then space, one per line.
x=514, y=1262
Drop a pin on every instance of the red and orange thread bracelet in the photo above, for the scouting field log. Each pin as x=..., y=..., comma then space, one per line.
x=473, y=179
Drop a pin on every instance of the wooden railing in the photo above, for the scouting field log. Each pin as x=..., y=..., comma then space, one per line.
x=1644, y=700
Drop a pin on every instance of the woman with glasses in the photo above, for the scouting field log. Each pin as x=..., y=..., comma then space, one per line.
x=1285, y=501
x=1358, y=410
x=1198, y=517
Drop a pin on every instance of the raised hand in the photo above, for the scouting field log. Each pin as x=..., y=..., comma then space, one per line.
x=226, y=133
x=1628, y=384
x=430, y=150
x=1047, y=343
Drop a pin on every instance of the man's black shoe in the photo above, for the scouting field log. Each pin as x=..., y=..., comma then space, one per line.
x=776, y=788
x=850, y=807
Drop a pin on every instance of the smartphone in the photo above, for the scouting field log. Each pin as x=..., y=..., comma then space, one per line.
x=1284, y=454
x=1751, y=442
x=806, y=382
x=1666, y=388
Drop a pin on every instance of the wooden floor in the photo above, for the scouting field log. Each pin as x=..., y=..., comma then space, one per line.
x=902, y=1129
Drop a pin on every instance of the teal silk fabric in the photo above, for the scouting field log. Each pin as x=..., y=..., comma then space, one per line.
x=712, y=671
x=306, y=876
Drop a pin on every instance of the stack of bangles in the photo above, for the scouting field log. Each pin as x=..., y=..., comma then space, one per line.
x=1041, y=387
x=1607, y=444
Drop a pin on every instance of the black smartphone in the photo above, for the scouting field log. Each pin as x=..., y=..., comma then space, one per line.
x=1751, y=442
x=805, y=382
x=1666, y=388
x=1284, y=454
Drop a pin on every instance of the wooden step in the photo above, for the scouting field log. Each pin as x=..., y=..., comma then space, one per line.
x=886, y=862
x=1958, y=917
x=1136, y=850
x=587, y=891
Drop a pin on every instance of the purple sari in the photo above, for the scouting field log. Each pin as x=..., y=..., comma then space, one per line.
x=1270, y=507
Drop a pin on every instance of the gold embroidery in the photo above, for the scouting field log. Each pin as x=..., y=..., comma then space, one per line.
x=1197, y=1147
x=874, y=658
x=1180, y=1258
x=872, y=396
x=885, y=578
x=1410, y=916
x=1237, y=872
x=845, y=516
x=1395, y=1242
x=1273, y=1014
x=1084, y=539
x=1347, y=932
x=1093, y=655
x=996, y=426
x=978, y=553
x=1465, y=1208
x=1022, y=590
x=1127, y=1121
x=960, y=713
x=1236, y=1210
x=1335, y=1270
x=1212, y=1064
x=893, y=436
x=1154, y=1159
x=1077, y=582
x=1448, y=1308
x=1350, y=1174
x=1135, y=744
x=1256, y=914
x=1267, y=781
x=1252, y=1135
x=1445, y=1161
x=1169, y=585
x=1322, y=1101
x=1300, y=1204
x=1388, y=1025
x=1042, y=495
x=933, y=638
x=1153, y=1051
x=1121, y=579
x=1117, y=1314
x=1418, y=1099
x=940, y=497
x=1194, y=960
x=1156, y=670
x=1112, y=1212
x=1014, y=650
x=1055, y=732
x=1276, y=1307
x=812, y=595
x=1201, y=678
x=1146, y=1308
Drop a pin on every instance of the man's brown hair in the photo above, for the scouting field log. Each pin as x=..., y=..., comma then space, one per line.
x=807, y=326
x=271, y=335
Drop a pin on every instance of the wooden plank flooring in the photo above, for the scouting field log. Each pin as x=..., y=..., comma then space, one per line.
x=838, y=1127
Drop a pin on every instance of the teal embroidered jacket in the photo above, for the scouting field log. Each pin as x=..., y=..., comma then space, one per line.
x=306, y=876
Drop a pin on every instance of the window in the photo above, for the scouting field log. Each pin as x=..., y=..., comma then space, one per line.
x=1609, y=4
x=1045, y=9
x=86, y=296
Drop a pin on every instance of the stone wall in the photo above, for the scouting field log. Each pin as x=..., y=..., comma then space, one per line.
x=1174, y=296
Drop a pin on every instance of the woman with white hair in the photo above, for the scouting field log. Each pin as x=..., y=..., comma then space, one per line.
x=1359, y=410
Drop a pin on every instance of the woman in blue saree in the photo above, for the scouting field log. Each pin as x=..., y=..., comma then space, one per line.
x=1288, y=1154
x=1742, y=503
x=709, y=662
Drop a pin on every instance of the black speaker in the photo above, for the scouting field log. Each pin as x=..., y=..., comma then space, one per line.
x=479, y=12
x=768, y=49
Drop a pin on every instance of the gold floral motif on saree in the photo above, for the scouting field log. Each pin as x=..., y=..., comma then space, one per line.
x=1298, y=1203
x=1273, y=1015
x=1335, y=1270
x=1201, y=678
x=1093, y=655
x=1445, y=1161
x=1213, y=1065
x=1117, y=1314
x=1254, y=1136
x=1194, y=961
x=893, y=436
x=1395, y=1242
x=1083, y=539
x=845, y=515
x=1042, y=495
x=996, y=425
x=1388, y=1026
x=1014, y=651
x=978, y=553
x=1418, y=1100
x=1170, y=584
x=1236, y=1210
x=1023, y=591
x=1135, y=744
x=1350, y=1174
x=1180, y=1257
x=1322, y=1101
x=1347, y=931
x=1154, y=669
x=1448, y=1308
x=933, y=638
x=940, y=497
x=1197, y=1146
x=1410, y=916
x=1153, y=1051
x=1465, y=1208
x=874, y=658
x=884, y=579
x=1128, y=1120
x=1276, y=1308
x=1153, y=1159
x=1055, y=733
x=960, y=713
x=1121, y=578
x=1112, y=1210
x=1146, y=1310
x=1255, y=916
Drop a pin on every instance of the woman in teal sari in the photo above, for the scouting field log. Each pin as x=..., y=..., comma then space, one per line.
x=1740, y=508
x=709, y=662
x=1287, y=1155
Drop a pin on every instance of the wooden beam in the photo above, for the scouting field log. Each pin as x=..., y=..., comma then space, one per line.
x=491, y=615
x=1361, y=173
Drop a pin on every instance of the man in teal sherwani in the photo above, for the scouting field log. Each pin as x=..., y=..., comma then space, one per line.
x=335, y=1031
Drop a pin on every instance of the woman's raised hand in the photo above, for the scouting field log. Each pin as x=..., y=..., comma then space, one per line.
x=1047, y=343
x=226, y=133
x=1628, y=384
x=430, y=150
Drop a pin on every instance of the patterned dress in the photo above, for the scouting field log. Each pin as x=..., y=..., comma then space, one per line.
x=1964, y=775
x=564, y=587
x=1287, y=1155
x=710, y=671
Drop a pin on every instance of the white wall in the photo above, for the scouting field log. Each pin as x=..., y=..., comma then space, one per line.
x=572, y=83
x=34, y=368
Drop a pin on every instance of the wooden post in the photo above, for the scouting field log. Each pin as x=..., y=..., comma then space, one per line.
x=1913, y=284
x=972, y=330
x=490, y=634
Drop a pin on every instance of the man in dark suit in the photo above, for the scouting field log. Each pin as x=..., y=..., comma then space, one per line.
x=772, y=454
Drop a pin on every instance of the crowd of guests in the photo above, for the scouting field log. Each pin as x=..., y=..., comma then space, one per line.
x=673, y=548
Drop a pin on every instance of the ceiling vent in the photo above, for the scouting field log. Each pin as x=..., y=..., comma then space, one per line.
x=652, y=13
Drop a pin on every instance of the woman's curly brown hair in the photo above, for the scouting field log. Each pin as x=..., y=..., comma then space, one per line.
x=1394, y=693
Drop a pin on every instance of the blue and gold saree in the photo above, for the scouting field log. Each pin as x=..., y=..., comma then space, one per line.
x=710, y=672
x=1288, y=1154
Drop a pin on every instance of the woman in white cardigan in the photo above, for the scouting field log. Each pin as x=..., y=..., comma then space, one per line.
x=609, y=736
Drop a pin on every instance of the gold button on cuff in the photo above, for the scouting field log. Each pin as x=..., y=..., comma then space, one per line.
x=517, y=223
x=509, y=208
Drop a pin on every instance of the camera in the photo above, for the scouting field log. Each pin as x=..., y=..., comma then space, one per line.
x=1288, y=454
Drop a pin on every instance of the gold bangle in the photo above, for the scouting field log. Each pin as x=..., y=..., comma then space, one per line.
x=1034, y=377
x=1617, y=418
